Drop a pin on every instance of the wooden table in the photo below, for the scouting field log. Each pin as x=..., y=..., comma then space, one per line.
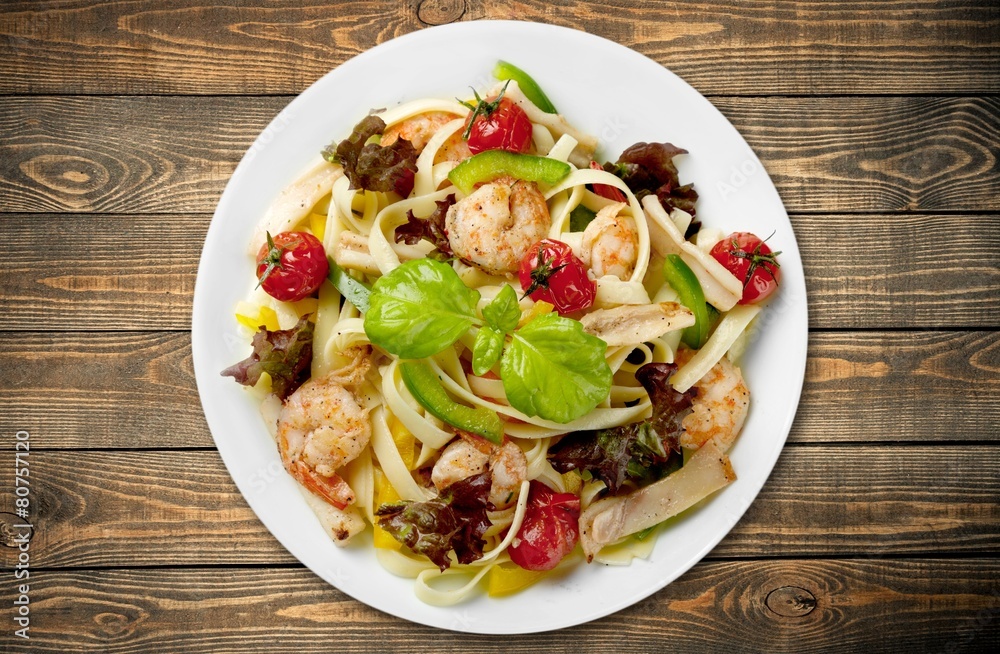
x=120, y=123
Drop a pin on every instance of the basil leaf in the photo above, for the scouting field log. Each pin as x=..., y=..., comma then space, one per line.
x=419, y=309
x=554, y=369
x=503, y=313
x=486, y=350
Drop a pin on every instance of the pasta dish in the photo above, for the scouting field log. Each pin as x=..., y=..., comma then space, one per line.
x=497, y=356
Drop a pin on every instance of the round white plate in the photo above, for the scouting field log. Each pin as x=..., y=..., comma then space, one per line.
x=605, y=89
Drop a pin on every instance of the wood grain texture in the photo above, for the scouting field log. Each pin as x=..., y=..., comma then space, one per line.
x=115, y=390
x=175, y=154
x=875, y=154
x=900, y=386
x=902, y=271
x=879, y=529
x=118, y=272
x=123, y=509
x=124, y=390
x=857, y=605
x=101, y=272
x=730, y=48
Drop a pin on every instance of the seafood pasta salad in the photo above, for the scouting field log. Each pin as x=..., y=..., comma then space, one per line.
x=494, y=353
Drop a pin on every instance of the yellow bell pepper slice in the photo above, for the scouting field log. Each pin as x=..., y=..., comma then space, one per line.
x=405, y=442
x=247, y=315
x=508, y=578
x=384, y=494
x=538, y=309
x=305, y=306
x=317, y=225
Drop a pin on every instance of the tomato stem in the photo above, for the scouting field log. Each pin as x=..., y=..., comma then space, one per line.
x=757, y=260
x=542, y=273
x=273, y=259
x=481, y=108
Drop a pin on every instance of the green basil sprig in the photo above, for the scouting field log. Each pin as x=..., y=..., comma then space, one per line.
x=551, y=367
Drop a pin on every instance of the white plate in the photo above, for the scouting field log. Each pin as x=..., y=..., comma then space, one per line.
x=601, y=87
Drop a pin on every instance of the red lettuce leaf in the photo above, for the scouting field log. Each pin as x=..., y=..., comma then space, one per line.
x=285, y=355
x=649, y=168
x=454, y=521
x=371, y=166
x=430, y=228
x=640, y=452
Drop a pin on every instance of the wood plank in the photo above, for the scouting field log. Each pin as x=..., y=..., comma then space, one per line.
x=901, y=386
x=105, y=154
x=115, y=272
x=125, y=390
x=902, y=271
x=731, y=47
x=773, y=606
x=101, y=272
x=122, y=508
x=120, y=390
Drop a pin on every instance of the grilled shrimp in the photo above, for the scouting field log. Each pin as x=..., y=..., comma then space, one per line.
x=463, y=458
x=419, y=129
x=719, y=410
x=610, y=244
x=322, y=426
x=495, y=225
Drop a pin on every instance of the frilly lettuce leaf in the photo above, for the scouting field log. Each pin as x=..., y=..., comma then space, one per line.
x=371, y=166
x=641, y=452
x=649, y=168
x=454, y=521
x=430, y=228
x=285, y=355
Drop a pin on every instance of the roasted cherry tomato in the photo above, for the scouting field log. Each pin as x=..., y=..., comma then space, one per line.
x=552, y=273
x=499, y=124
x=291, y=266
x=550, y=529
x=606, y=190
x=753, y=263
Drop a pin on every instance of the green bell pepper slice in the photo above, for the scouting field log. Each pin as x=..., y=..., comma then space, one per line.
x=491, y=164
x=683, y=280
x=357, y=293
x=428, y=391
x=505, y=71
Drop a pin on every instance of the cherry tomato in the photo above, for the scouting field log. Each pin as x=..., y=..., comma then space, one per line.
x=291, y=266
x=552, y=273
x=499, y=125
x=753, y=263
x=550, y=530
x=606, y=190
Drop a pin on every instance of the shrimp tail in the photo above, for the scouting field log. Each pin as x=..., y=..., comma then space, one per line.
x=333, y=489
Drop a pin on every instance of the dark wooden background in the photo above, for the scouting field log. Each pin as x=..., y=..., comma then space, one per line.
x=120, y=122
